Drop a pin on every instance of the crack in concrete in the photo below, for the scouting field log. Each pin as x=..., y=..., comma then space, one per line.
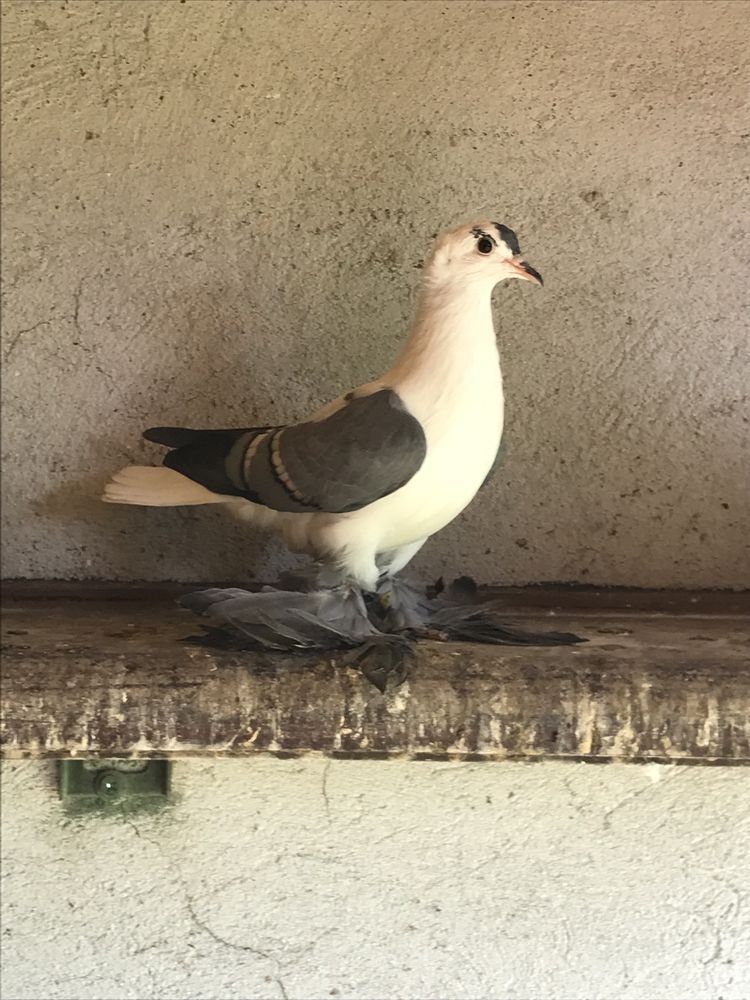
x=606, y=824
x=21, y=333
x=575, y=798
x=669, y=774
x=77, y=307
x=324, y=789
x=200, y=923
x=76, y=319
x=730, y=912
x=718, y=950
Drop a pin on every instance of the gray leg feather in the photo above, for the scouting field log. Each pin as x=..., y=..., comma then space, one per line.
x=335, y=618
x=284, y=619
x=484, y=623
x=402, y=607
x=457, y=613
x=377, y=629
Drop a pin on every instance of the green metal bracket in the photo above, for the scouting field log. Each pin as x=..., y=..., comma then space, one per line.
x=110, y=785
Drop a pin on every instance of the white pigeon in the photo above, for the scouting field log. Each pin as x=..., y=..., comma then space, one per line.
x=364, y=482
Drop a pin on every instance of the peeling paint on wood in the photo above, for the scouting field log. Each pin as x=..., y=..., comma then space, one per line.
x=113, y=678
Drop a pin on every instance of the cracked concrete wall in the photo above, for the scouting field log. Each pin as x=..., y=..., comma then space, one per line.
x=310, y=879
x=215, y=212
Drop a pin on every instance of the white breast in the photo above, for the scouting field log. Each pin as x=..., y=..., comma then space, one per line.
x=449, y=378
x=463, y=436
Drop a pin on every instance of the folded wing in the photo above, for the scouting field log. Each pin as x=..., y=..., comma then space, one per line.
x=365, y=450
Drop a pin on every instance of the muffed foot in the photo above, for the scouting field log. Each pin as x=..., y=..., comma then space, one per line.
x=484, y=625
x=333, y=618
x=456, y=613
x=378, y=631
x=459, y=615
x=323, y=619
x=383, y=658
x=399, y=607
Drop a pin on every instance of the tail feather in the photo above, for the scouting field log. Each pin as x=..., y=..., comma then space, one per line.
x=154, y=486
x=179, y=437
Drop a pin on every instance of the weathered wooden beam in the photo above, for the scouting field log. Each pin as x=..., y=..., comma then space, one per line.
x=547, y=599
x=112, y=678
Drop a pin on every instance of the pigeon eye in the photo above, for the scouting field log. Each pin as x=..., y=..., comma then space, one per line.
x=485, y=245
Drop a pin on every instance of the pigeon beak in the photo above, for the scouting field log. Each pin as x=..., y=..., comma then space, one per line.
x=525, y=271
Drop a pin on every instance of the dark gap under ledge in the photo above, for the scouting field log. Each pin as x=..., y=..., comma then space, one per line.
x=97, y=669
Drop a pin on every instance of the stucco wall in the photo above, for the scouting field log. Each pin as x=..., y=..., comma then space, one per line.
x=313, y=879
x=214, y=213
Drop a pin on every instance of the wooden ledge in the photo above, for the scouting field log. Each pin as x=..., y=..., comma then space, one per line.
x=666, y=679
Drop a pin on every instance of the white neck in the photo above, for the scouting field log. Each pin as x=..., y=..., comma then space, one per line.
x=453, y=335
x=448, y=377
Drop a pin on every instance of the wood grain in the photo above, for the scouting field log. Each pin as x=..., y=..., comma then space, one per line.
x=115, y=678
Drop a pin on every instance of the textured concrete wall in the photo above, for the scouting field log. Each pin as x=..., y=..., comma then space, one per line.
x=215, y=214
x=313, y=879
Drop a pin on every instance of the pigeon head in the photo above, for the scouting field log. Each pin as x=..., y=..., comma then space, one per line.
x=486, y=252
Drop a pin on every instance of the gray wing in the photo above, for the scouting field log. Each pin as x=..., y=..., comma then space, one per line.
x=366, y=450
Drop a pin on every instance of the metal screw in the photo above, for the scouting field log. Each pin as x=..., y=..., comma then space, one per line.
x=108, y=785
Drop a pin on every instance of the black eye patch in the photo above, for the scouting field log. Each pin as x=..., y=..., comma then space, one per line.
x=508, y=237
x=477, y=232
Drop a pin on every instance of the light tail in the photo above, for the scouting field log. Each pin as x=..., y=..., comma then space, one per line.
x=156, y=486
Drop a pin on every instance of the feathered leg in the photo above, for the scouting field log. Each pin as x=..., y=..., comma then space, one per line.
x=399, y=606
x=285, y=619
x=377, y=630
x=323, y=618
x=457, y=614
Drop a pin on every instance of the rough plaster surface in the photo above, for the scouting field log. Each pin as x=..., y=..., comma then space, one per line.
x=307, y=879
x=215, y=213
